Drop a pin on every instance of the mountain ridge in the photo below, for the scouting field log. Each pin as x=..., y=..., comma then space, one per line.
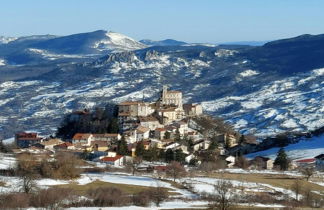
x=228, y=80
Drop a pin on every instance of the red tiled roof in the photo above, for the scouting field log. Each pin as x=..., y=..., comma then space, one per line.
x=309, y=160
x=111, y=159
x=160, y=129
x=79, y=136
x=65, y=144
x=27, y=136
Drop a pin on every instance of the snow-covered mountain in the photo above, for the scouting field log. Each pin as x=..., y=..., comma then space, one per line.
x=43, y=48
x=6, y=40
x=166, y=42
x=251, y=87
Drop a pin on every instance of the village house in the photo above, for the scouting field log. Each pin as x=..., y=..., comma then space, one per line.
x=193, y=109
x=87, y=138
x=171, y=145
x=129, y=109
x=156, y=143
x=159, y=133
x=98, y=146
x=260, y=163
x=82, y=138
x=229, y=140
x=142, y=133
x=170, y=114
x=319, y=162
x=194, y=135
x=113, y=159
x=64, y=146
x=200, y=144
x=49, y=144
x=182, y=127
x=150, y=122
x=24, y=140
x=305, y=162
x=108, y=137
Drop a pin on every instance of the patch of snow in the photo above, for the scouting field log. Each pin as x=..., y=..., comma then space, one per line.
x=251, y=104
x=290, y=123
x=225, y=53
x=248, y=73
x=8, y=141
x=7, y=161
x=2, y=62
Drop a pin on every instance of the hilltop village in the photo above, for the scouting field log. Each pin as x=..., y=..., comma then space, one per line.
x=163, y=130
x=140, y=153
x=156, y=132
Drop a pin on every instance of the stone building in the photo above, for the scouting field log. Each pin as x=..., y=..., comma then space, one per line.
x=193, y=109
x=135, y=109
x=171, y=97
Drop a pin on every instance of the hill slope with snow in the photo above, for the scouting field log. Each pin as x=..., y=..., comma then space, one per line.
x=227, y=80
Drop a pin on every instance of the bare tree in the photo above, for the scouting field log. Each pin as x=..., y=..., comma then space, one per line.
x=223, y=195
x=175, y=170
x=27, y=183
x=133, y=165
x=158, y=194
x=296, y=187
x=307, y=172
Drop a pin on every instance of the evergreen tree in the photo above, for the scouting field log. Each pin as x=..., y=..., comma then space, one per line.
x=242, y=139
x=113, y=126
x=122, y=148
x=213, y=145
x=140, y=150
x=190, y=145
x=161, y=155
x=180, y=156
x=282, y=159
x=167, y=135
x=177, y=135
x=154, y=153
x=169, y=155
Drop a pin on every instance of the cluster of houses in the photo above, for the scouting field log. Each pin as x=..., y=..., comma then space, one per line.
x=156, y=124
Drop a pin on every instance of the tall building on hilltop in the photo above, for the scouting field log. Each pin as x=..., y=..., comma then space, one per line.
x=171, y=97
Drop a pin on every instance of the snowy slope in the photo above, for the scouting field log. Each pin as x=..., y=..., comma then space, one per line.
x=117, y=42
x=6, y=40
x=2, y=62
x=308, y=148
x=222, y=78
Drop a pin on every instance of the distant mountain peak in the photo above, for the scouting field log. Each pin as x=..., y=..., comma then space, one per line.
x=165, y=42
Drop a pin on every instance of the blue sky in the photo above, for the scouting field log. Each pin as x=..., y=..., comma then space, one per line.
x=211, y=21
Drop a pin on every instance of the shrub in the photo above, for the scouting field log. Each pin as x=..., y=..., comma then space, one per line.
x=14, y=201
x=108, y=196
x=142, y=198
x=51, y=198
x=158, y=195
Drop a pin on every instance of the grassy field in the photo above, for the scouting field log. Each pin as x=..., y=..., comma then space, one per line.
x=276, y=180
x=129, y=189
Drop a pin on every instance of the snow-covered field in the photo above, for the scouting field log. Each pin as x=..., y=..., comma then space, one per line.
x=7, y=161
x=304, y=149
